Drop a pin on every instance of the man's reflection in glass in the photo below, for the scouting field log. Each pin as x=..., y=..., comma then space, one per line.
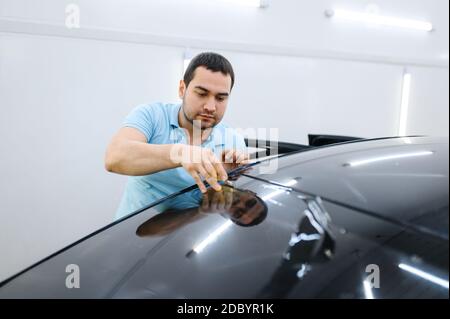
x=242, y=207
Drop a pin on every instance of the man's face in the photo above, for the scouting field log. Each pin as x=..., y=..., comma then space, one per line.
x=206, y=97
x=245, y=208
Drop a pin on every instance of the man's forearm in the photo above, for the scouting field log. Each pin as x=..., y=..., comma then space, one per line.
x=138, y=158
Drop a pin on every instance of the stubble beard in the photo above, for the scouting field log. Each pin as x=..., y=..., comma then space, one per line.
x=203, y=126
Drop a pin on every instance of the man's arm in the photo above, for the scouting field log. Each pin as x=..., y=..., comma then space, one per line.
x=167, y=222
x=130, y=154
x=172, y=219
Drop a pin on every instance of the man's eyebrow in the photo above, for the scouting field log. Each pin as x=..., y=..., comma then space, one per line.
x=201, y=88
x=206, y=90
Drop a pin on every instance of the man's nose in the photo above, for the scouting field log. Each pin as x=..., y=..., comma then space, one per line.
x=210, y=105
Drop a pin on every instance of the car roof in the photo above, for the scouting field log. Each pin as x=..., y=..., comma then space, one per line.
x=306, y=246
x=404, y=180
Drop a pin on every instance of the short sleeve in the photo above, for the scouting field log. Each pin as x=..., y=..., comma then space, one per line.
x=143, y=118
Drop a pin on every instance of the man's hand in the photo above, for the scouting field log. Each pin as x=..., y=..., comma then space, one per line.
x=214, y=202
x=234, y=158
x=200, y=162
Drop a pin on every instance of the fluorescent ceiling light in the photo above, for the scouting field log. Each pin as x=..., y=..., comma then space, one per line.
x=424, y=275
x=249, y=3
x=387, y=158
x=381, y=20
x=406, y=90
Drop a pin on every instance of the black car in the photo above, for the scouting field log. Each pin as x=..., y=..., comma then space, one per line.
x=360, y=219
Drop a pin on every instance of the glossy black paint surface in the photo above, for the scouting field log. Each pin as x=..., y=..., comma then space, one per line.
x=403, y=178
x=313, y=238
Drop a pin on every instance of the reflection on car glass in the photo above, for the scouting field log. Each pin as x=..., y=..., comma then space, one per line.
x=242, y=207
x=312, y=243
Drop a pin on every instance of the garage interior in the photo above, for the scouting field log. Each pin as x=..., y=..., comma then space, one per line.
x=70, y=71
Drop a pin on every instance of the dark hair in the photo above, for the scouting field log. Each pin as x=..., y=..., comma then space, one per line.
x=211, y=61
x=258, y=220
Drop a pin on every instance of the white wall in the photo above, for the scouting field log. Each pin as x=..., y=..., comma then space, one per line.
x=63, y=93
x=61, y=101
x=305, y=95
x=429, y=104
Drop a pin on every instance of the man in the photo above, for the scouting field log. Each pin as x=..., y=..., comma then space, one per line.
x=167, y=147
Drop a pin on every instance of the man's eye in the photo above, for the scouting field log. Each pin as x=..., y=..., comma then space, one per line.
x=250, y=203
x=201, y=94
x=220, y=99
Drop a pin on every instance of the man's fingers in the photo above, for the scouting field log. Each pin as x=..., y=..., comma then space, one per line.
x=218, y=201
x=228, y=199
x=211, y=169
x=208, y=166
x=214, y=184
x=245, y=162
x=198, y=181
x=241, y=157
x=235, y=156
x=212, y=175
x=205, y=202
x=221, y=172
x=229, y=156
x=202, y=171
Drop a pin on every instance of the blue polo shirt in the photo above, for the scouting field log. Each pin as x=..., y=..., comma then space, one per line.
x=159, y=123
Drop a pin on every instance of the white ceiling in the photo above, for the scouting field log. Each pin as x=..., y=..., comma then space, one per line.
x=290, y=24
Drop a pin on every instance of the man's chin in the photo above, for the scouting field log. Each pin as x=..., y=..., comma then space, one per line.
x=206, y=125
x=209, y=126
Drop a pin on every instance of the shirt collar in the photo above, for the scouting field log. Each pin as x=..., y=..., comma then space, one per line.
x=174, y=115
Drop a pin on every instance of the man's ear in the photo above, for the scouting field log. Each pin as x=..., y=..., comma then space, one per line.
x=181, y=89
